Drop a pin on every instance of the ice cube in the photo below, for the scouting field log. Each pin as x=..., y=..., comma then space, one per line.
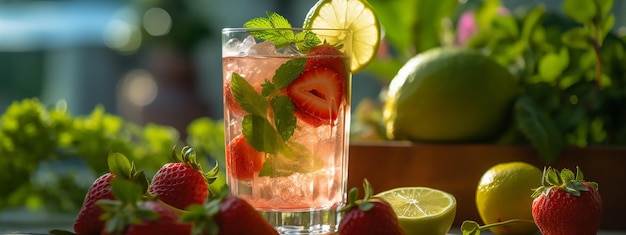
x=230, y=48
x=245, y=45
x=263, y=48
x=236, y=47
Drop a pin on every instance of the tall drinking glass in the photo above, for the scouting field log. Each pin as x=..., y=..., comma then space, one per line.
x=287, y=118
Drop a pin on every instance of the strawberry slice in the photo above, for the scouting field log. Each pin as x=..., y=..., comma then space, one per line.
x=317, y=94
x=327, y=56
x=242, y=160
x=230, y=101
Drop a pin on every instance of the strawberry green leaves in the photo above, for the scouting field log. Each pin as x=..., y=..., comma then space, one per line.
x=564, y=180
x=303, y=40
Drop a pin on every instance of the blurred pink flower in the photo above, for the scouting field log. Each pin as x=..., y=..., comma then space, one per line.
x=466, y=28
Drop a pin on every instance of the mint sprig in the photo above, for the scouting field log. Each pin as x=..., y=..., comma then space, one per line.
x=260, y=29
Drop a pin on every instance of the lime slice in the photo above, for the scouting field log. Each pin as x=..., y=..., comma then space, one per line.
x=355, y=15
x=422, y=210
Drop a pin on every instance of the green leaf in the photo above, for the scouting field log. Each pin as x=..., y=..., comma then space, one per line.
x=567, y=175
x=287, y=72
x=582, y=11
x=268, y=88
x=531, y=21
x=278, y=21
x=538, y=129
x=577, y=38
x=258, y=23
x=280, y=38
x=293, y=158
x=604, y=6
x=552, y=177
x=305, y=40
x=119, y=165
x=260, y=134
x=284, y=116
x=247, y=97
x=606, y=25
x=552, y=65
x=579, y=174
x=366, y=206
x=416, y=24
x=469, y=227
x=126, y=191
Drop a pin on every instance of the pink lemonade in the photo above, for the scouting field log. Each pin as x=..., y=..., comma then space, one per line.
x=320, y=183
x=287, y=117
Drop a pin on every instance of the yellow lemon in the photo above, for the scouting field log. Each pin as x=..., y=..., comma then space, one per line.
x=422, y=210
x=504, y=193
x=356, y=15
x=449, y=95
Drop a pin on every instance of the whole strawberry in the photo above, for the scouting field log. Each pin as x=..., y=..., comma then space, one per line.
x=133, y=214
x=182, y=182
x=567, y=204
x=227, y=215
x=368, y=216
x=88, y=220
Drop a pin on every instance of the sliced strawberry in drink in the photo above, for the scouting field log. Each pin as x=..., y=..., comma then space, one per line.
x=317, y=94
x=327, y=56
x=242, y=160
x=229, y=100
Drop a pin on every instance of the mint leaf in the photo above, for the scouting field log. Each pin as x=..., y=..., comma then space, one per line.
x=247, y=97
x=288, y=72
x=258, y=23
x=293, y=159
x=280, y=38
x=278, y=21
x=306, y=40
x=268, y=88
x=284, y=116
x=260, y=28
x=260, y=134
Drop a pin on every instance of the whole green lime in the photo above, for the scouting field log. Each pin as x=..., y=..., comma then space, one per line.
x=449, y=95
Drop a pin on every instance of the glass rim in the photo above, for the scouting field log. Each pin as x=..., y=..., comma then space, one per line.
x=241, y=29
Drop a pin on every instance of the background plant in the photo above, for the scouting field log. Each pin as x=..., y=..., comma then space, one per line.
x=571, y=66
x=49, y=157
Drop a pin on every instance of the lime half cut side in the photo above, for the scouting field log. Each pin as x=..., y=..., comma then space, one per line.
x=422, y=210
x=357, y=16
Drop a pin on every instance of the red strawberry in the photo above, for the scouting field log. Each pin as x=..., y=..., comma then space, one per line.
x=566, y=204
x=88, y=219
x=369, y=216
x=132, y=214
x=229, y=100
x=327, y=56
x=228, y=215
x=242, y=160
x=88, y=222
x=167, y=222
x=317, y=94
x=182, y=182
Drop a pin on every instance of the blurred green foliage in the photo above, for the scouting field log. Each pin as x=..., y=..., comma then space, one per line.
x=571, y=66
x=49, y=157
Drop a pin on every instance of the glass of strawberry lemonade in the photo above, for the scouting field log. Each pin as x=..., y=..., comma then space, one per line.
x=287, y=116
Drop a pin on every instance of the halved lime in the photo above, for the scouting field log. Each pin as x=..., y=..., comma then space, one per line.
x=355, y=15
x=422, y=210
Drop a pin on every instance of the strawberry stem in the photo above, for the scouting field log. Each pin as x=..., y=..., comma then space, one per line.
x=472, y=228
